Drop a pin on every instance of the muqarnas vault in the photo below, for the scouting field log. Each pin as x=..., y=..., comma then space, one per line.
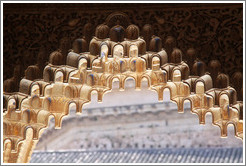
x=115, y=53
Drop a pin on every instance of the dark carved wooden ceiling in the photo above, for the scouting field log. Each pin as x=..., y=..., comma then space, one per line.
x=215, y=31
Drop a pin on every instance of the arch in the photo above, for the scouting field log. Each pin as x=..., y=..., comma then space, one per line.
x=95, y=91
x=170, y=89
x=133, y=51
x=7, y=142
x=111, y=80
x=187, y=100
x=42, y=107
x=11, y=104
x=72, y=58
x=176, y=75
x=133, y=64
x=118, y=51
x=83, y=63
x=69, y=92
x=223, y=99
x=92, y=79
x=44, y=116
x=28, y=130
x=26, y=116
x=72, y=104
x=123, y=65
x=46, y=103
x=108, y=67
x=35, y=89
x=231, y=93
x=200, y=87
x=48, y=74
x=127, y=78
x=104, y=50
x=155, y=63
x=234, y=126
x=147, y=78
x=140, y=65
x=35, y=102
x=92, y=85
x=59, y=76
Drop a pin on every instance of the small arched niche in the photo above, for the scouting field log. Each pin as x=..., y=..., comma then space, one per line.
x=104, y=50
x=59, y=76
x=176, y=75
x=118, y=51
x=133, y=51
x=35, y=90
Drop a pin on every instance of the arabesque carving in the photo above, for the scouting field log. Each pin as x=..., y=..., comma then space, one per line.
x=214, y=31
x=115, y=53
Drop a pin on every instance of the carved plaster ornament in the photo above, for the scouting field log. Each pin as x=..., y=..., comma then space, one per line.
x=118, y=51
x=59, y=76
x=132, y=32
x=79, y=45
x=155, y=44
x=117, y=33
x=191, y=55
x=147, y=33
x=27, y=112
x=237, y=82
x=169, y=45
x=200, y=102
x=104, y=51
x=102, y=31
x=158, y=77
x=133, y=51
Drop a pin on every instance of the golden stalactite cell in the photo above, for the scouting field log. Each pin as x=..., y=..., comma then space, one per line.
x=112, y=56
